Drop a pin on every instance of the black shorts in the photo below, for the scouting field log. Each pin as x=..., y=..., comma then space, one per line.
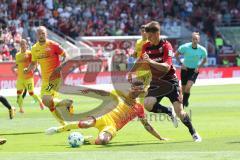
x=165, y=88
x=188, y=75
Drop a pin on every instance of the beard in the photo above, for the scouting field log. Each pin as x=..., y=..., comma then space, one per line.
x=42, y=40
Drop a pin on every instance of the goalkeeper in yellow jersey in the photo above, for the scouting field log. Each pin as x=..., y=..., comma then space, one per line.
x=24, y=81
x=47, y=54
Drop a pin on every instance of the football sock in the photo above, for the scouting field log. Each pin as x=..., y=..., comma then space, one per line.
x=20, y=101
x=187, y=122
x=56, y=114
x=69, y=126
x=24, y=93
x=158, y=108
x=36, y=98
x=5, y=102
x=185, y=99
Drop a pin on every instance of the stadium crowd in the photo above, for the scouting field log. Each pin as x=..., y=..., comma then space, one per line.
x=108, y=17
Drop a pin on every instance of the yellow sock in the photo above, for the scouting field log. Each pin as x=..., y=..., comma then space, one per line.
x=20, y=101
x=36, y=98
x=71, y=125
x=58, y=116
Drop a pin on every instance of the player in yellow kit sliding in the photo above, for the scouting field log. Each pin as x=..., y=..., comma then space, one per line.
x=47, y=54
x=24, y=81
x=126, y=109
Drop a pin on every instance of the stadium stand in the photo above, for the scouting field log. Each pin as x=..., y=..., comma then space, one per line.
x=77, y=18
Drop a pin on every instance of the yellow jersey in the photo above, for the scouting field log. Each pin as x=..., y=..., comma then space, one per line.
x=143, y=71
x=47, y=56
x=138, y=46
x=23, y=60
x=124, y=113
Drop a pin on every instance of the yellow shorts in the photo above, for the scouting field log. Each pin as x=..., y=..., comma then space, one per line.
x=106, y=124
x=50, y=88
x=25, y=84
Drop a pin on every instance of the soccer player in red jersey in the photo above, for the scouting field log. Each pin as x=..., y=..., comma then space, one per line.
x=158, y=54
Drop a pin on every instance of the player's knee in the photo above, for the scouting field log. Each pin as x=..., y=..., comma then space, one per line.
x=103, y=138
x=188, y=86
x=31, y=93
x=178, y=108
x=19, y=92
x=87, y=123
x=187, y=89
x=47, y=100
x=149, y=103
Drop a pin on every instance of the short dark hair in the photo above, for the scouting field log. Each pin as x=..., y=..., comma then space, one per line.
x=137, y=83
x=153, y=27
x=143, y=26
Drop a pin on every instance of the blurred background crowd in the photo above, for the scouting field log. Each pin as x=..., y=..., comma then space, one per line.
x=76, y=18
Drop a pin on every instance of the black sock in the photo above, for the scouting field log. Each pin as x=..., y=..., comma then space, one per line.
x=185, y=98
x=158, y=108
x=187, y=122
x=24, y=93
x=5, y=102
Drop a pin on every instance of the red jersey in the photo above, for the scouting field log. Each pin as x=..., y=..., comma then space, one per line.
x=161, y=53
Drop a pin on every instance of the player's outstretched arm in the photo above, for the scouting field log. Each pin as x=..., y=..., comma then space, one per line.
x=99, y=92
x=150, y=129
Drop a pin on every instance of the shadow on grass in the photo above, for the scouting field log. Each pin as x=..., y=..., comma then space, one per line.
x=140, y=143
x=22, y=133
x=235, y=142
x=125, y=143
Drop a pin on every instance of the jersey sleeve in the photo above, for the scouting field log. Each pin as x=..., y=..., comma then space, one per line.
x=140, y=111
x=181, y=49
x=167, y=53
x=58, y=49
x=204, y=53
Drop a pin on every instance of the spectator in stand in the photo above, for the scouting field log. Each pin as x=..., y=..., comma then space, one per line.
x=4, y=51
x=107, y=17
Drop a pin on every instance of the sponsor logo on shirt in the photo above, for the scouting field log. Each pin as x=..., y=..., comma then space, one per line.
x=170, y=53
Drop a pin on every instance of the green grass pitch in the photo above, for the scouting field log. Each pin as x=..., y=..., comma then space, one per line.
x=215, y=111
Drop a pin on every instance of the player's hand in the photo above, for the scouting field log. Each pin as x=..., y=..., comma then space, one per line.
x=129, y=77
x=196, y=70
x=183, y=67
x=25, y=70
x=164, y=139
x=146, y=57
x=84, y=91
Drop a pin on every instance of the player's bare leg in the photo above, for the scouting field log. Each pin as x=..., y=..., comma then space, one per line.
x=49, y=102
x=2, y=141
x=36, y=98
x=20, y=101
x=90, y=122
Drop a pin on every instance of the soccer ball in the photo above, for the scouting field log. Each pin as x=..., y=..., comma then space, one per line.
x=75, y=139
